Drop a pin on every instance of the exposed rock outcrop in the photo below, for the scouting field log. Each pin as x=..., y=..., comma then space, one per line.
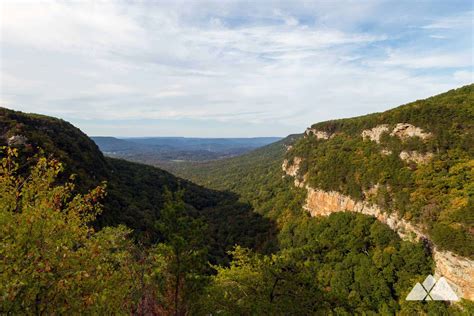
x=291, y=169
x=457, y=270
x=319, y=202
x=405, y=130
x=375, y=133
x=401, y=130
x=17, y=140
x=386, y=152
x=318, y=134
x=300, y=182
x=415, y=156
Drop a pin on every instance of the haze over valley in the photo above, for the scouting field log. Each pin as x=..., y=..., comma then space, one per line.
x=156, y=150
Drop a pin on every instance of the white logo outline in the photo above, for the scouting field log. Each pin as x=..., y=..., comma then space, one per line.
x=432, y=290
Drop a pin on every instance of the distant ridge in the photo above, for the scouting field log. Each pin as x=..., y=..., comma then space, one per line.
x=153, y=150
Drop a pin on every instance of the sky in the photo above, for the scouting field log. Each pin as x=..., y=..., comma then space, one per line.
x=227, y=68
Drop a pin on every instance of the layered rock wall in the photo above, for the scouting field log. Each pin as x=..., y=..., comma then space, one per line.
x=457, y=270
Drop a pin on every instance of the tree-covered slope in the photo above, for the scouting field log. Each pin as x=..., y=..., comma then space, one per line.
x=255, y=176
x=56, y=137
x=325, y=272
x=416, y=160
x=135, y=192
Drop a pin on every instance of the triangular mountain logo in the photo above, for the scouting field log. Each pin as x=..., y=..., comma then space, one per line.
x=432, y=290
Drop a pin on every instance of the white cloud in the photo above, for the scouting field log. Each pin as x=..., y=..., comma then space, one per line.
x=282, y=66
x=433, y=60
x=79, y=27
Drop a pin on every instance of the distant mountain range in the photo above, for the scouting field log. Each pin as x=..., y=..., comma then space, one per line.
x=153, y=150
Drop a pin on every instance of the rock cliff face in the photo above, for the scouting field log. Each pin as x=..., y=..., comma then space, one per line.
x=317, y=134
x=291, y=169
x=457, y=270
x=375, y=133
x=404, y=130
x=401, y=130
x=319, y=202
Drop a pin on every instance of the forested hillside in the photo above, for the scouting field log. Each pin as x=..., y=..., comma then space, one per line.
x=135, y=192
x=426, y=177
x=256, y=176
x=416, y=160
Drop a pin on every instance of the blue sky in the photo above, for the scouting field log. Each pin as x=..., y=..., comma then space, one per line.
x=227, y=68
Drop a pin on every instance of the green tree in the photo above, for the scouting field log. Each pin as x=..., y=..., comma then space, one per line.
x=51, y=261
x=184, y=251
x=254, y=284
x=324, y=271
